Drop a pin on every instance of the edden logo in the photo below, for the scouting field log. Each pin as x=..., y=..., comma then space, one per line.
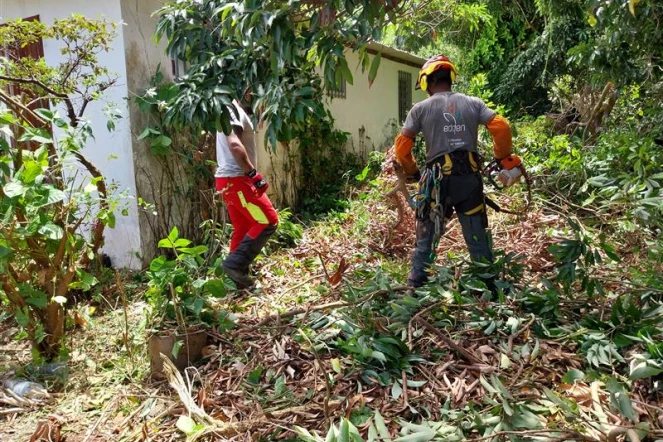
x=453, y=125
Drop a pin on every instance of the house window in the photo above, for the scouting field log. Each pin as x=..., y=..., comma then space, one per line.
x=337, y=90
x=404, y=94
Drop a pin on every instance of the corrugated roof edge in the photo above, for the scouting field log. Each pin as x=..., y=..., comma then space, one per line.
x=396, y=55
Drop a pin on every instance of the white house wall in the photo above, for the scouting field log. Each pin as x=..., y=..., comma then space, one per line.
x=110, y=152
x=153, y=185
x=369, y=115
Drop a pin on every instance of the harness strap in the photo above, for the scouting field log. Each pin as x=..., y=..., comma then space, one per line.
x=458, y=162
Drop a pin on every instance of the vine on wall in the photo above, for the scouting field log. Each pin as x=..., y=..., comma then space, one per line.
x=175, y=172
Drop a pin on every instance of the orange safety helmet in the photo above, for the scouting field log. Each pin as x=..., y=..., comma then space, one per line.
x=433, y=64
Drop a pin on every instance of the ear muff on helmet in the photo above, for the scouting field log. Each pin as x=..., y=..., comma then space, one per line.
x=432, y=65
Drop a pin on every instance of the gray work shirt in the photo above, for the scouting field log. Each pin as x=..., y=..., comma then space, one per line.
x=227, y=166
x=449, y=121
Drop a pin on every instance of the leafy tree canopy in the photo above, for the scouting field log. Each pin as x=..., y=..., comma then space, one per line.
x=524, y=46
x=271, y=49
x=277, y=49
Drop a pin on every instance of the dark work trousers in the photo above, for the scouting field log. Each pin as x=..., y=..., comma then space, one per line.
x=464, y=195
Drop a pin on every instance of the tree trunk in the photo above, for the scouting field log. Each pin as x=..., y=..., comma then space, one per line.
x=53, y=322
x=53, y=317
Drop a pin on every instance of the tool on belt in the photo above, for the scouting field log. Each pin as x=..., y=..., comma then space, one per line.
x=431, y=200
x=435, y=197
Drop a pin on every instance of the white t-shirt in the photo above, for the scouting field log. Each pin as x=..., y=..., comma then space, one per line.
x=227, y=166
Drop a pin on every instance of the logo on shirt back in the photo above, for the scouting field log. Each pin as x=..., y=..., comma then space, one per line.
x=453, y=125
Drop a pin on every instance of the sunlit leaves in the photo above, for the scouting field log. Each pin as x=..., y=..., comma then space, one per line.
x=82, y=40
x=274, y=50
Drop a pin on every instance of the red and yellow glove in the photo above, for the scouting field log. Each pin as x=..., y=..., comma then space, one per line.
x=258, y=182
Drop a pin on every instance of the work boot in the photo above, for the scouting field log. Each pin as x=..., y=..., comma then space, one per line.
x=237, y=263
x=241, y=279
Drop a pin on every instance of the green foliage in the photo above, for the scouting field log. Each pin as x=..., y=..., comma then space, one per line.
x=180, y=167
x=44, y=252
x=478, y=87
x=627, y=175
x=531, y=64
x=524, y=46
x=618, y=175
x=179, y=287
x=271, y=49
x=79, y=75
x=425, y=30
x=55, y=202
x=327, y=168
x=289, y=232
x=576, y=258
x=622, y=42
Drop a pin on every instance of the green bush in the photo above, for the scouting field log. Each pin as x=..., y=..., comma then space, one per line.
x=179, y=286
x=327, y=168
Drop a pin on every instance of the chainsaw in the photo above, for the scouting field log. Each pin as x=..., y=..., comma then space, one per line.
x=505, y=173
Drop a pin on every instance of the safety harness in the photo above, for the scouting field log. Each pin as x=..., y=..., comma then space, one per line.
x=434, y=201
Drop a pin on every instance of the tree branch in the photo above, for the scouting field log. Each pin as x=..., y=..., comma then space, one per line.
x=98, y=227
x=36, y=83
x=71, y=112
x=465, y=354
x=19, y=108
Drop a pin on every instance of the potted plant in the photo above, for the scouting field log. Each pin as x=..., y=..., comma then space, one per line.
x=178, y=289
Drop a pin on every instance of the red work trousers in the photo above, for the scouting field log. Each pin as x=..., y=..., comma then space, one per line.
x=249, y=213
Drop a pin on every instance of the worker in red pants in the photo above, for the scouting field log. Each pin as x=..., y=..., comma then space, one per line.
x=243, y=191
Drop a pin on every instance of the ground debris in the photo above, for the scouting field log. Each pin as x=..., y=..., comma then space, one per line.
x=275, y=371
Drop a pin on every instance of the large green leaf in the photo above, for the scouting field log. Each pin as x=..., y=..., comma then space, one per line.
x=33, y=296
x=186, y=425
x=5, y=252
x=51, y=231
x=216, y=288
x=147, y=133
x=381, y=427
x=31, y=170
x=14, y=189
x=85, y=281
x=344, y=431
x=643, y=370
x=37, y=136
x=424, y=435
x=160, y=145
x=161, y=263
x=54, y=196
x=373, y=71
x=345, y=70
